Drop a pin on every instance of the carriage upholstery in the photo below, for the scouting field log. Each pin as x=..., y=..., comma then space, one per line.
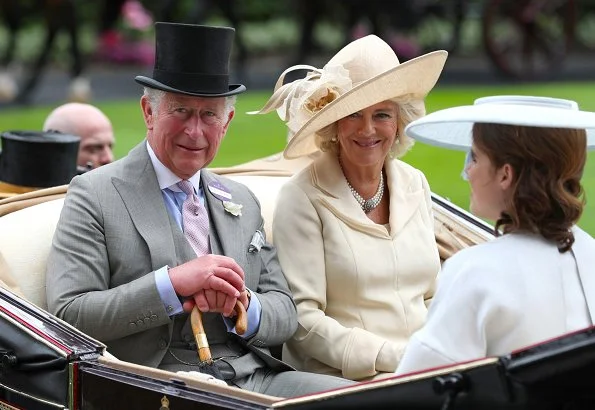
x=28, y=221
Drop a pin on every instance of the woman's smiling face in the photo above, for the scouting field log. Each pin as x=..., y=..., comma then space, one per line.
x=366, y=137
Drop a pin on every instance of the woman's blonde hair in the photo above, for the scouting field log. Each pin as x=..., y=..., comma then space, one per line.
x=410, y=109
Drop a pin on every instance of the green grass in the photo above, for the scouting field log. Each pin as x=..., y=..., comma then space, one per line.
x=251, y=137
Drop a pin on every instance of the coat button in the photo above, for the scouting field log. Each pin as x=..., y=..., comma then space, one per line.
x=187, y=337
x=147, y=320
x=162, y=344
x=153, y=317
x=139, y=322
x=132, y=325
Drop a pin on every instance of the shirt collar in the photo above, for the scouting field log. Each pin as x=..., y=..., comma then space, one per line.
x=166, y=178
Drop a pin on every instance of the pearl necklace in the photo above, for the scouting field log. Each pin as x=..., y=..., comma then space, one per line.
x=368, y=205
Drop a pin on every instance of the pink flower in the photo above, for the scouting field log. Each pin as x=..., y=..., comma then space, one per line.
x=136, y=15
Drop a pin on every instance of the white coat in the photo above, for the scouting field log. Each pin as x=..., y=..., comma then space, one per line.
x=497, y=297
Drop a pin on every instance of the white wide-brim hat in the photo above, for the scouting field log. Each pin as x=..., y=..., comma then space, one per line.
x=452, y=127
x=363, y=73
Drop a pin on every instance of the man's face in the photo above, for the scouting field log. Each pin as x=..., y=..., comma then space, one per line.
x=95, y=149
x=185, y=132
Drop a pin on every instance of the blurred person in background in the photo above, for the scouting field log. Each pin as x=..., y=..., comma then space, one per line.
x=91, y=125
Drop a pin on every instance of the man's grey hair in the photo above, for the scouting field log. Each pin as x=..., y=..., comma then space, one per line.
x=155, y=98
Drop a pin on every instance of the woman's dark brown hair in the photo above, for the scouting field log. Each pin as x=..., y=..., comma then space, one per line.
x=548, y=164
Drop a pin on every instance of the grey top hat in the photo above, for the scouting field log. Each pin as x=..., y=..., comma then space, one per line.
x=192, y=59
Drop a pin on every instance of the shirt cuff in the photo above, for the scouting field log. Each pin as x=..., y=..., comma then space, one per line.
x=253, y=316
x=168, y=295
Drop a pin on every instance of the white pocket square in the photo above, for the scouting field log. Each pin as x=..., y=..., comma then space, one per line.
x=256, y=242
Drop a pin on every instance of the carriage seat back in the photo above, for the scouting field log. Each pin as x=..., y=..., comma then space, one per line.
x=25, y=245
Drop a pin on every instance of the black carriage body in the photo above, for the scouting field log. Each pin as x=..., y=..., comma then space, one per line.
x=46, y=364
x=103, y=387
x=37, y=356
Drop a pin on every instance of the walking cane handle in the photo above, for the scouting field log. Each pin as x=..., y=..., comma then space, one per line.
x=200, y=336
x=202, y=344
x=241, y=318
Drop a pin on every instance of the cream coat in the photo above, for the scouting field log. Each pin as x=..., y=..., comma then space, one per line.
x=360, y=291
x=504, y=295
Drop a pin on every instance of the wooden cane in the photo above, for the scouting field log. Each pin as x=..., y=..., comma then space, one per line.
x=202, y=344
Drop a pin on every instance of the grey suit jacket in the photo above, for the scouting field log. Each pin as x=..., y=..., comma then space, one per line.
x=114, y=232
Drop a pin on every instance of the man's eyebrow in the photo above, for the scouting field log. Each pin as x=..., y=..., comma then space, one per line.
x=96, y=144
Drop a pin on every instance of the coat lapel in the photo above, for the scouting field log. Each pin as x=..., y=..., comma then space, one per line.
x=225, y=229
x=142, y=197
x=405, y=197
x=334, y=193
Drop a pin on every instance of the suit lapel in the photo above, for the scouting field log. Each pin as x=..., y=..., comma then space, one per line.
x=334, y=193
x=225, y=229
x=142, y=197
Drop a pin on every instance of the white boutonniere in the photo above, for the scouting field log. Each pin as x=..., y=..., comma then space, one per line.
x=233, y=208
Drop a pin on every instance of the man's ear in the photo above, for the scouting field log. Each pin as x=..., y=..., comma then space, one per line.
x=506, y=176
x=147, y=111
x=230, y=116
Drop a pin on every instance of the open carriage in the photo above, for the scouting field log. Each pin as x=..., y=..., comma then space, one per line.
x=47, y=364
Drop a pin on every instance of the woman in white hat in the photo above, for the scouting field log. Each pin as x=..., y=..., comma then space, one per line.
x=354, y=230
x=536, y=280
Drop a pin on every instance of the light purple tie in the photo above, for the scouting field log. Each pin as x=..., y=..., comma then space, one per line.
x=195, y=220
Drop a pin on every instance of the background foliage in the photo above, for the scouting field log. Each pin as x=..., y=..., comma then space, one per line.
x=252, y=137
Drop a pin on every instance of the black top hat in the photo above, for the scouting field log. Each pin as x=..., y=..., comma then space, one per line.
x=193, y=60
x=36, y=159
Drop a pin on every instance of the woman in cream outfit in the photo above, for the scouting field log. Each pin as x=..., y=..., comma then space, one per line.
x=536, y=281
x=354, y=230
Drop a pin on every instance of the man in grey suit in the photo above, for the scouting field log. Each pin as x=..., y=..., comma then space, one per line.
x=121, y=269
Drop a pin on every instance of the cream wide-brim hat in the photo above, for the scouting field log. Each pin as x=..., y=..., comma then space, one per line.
x=363, y=73
x=452, y=127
